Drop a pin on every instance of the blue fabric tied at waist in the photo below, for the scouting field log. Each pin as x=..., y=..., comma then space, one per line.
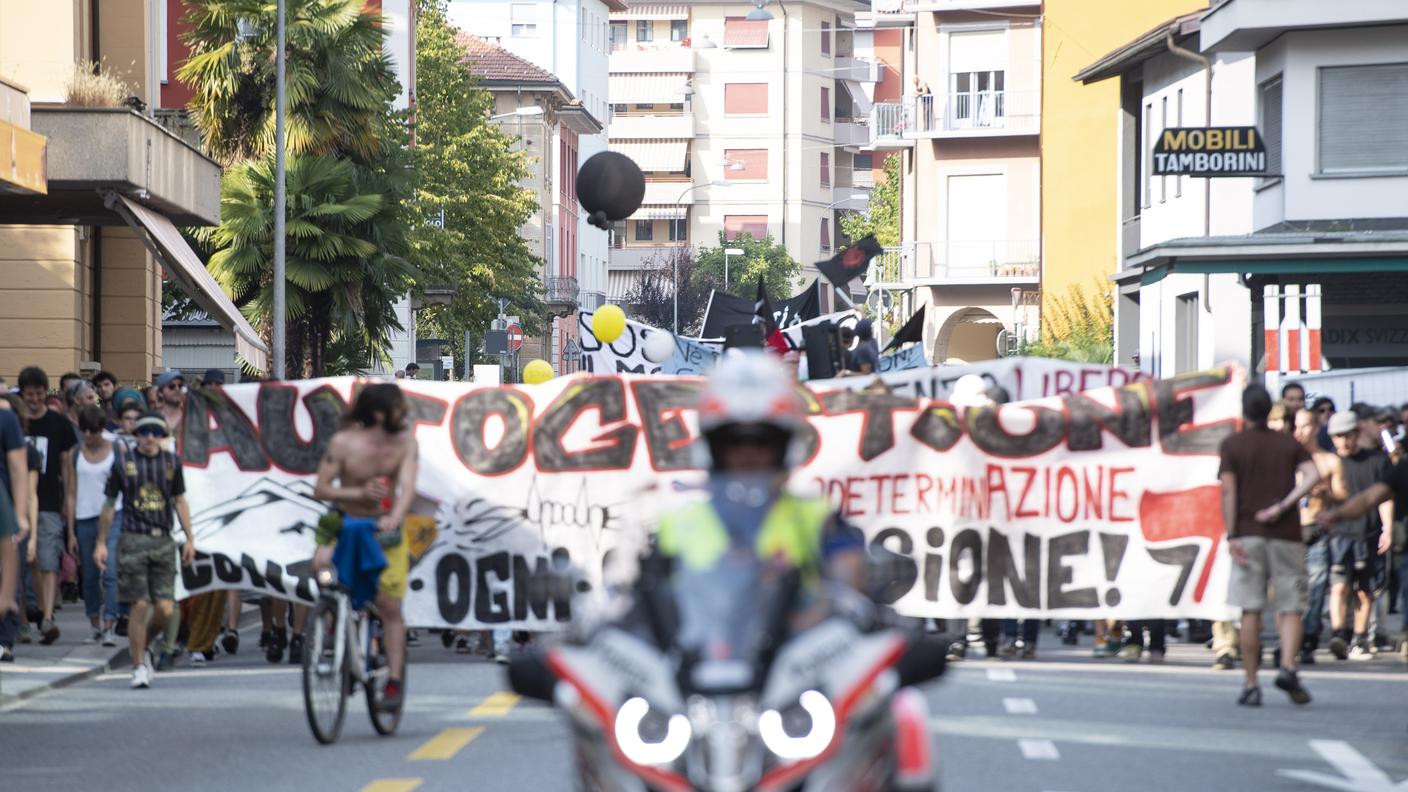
x=359, y=559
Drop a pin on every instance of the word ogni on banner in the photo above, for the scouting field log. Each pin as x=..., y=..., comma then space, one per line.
x=1101, y=503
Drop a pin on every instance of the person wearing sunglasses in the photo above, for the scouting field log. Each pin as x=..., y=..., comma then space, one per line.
x=171, y=398
x=93, y=466
x=152, y=486
x=1324, y=407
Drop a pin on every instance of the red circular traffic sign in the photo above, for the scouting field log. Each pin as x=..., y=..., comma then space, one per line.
x=515, y=337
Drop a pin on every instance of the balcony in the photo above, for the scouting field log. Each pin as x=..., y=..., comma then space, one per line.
x=892, y=125
x=978, y=113
x=560, y=294
x=851, y=131
x=641, y=58
x=639, y=256
x=958, y=263
x=885, y=14
x=672, y=126
x=857, y=69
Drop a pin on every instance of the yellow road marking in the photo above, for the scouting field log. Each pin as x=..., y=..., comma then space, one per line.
x=446, y=744
x=392, y=785
x=495, y=705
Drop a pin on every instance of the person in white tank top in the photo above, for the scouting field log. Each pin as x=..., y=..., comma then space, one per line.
x=93, y=462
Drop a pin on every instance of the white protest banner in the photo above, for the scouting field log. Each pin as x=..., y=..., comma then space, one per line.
x=1101, y=504
x=1022, y=377
x=907, y=359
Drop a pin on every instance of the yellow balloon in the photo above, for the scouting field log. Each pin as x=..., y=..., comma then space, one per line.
x=608, y=323
x=537, y=372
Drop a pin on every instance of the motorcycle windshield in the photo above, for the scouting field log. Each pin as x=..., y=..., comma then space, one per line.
x=723, y=609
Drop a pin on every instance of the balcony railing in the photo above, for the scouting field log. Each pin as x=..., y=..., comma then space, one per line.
x=561, y=292
x=891, y=124
x=849, y=67
x=973, y=113
x=956, y=262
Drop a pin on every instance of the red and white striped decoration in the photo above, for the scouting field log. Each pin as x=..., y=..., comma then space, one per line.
x=1292, y=343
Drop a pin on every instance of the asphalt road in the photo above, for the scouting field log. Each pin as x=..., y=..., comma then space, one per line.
x=1065, y=723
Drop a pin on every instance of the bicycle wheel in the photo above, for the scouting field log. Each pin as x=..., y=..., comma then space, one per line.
x=324, y=688
x=384, y=721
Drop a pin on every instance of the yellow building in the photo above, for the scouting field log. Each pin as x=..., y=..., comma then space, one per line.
x=83, y=259
x=1081, y=139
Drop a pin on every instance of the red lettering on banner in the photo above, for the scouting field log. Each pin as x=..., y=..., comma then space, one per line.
x=852, y=494
x=1030, y=473
x=1117, y=494
x=1093, y=502
x=922, y=485
x=879, y=492
x=895, y=495
x=1063, y=475
x=996, y=485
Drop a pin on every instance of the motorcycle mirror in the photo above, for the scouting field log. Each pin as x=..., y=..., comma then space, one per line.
x=530, y=676
x=923, y=660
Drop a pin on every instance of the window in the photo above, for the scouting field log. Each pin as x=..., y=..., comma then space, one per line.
x=825, y=105
x=1271, y=126
x=977, y=99
x=618, y=234
x=1363, y=119
x=753, y=225
x=679, y=29
x=742, y=33
x=524, y=20
x=825, y=234
x=679, y=230
x=618, y=36
x=1185, y=353
x=825, y=169
x=645, y=30
x=826, y=39
x=645, y=230
x=864, y=162
x=745, y=98
x=754, y=162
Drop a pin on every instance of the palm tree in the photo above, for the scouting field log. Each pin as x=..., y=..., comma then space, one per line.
x=341, y=281
x=338, y=79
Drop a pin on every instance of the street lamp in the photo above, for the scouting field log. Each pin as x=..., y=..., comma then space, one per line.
x=280, y=276
x=679, y=202
x=759, y=14
x=852, y=197
x=532, y=110
x=728, y=251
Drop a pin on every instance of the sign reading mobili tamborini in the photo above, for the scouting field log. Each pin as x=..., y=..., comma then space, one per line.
x=1209, y=152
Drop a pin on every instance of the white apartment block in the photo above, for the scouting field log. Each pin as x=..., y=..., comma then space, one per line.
x=966, y=119
x=740, y=125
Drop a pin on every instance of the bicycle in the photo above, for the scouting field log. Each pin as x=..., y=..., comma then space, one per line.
x=342, y=648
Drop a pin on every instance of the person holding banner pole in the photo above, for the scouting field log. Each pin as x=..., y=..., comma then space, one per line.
x=1264, y=475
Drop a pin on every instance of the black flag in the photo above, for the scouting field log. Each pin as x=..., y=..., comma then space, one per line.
x=762, y=315
x=913, y=330
x=850, y=263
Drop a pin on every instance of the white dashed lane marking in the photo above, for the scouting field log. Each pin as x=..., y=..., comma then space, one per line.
x=1039, y=749
x=1019, y=706
x=1002, y=675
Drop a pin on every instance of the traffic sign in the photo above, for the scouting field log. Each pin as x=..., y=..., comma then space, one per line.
x=515, y=337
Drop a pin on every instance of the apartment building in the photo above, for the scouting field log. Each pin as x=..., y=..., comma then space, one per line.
x=85, y=258
x=570, y=42
x=1299, y=269
x=745, y=119
x=966, y=124
x=547, y=122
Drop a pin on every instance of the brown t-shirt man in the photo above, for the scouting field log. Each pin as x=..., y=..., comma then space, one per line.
x=1264, y=463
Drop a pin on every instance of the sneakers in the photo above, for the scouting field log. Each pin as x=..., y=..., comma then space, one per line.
x=501, y=657
x=1224, y=662
x=1131, y=653
x=1008, y=650
x=295, y=649
x=1156, y=657
x=142, y=676
x=1251, y=697
x=1289, y=681
x=109, y=638
x=1028, y=652
x=49, y=632
x=6, y=656
x=1339, y=648
x=391, y=696
x=413, y=637
x=1105, y=649
x=26, y=636
x=121, y=628
x=94, y=635
x=957, y=651
x=198, y=659
x=1307, y=657
x=165, y=662
x=275, y=645
x=1361, y=650
x=229, y=640
x=462, y=645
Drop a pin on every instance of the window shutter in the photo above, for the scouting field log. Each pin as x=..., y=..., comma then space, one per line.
x=1364, y=118
x=745, y=98
x=825, y=168
x=825, y=103
x=825, y=234
x=1271, y=124
x=755, y=163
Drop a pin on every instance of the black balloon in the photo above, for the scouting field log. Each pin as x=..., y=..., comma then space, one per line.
x=610, y=187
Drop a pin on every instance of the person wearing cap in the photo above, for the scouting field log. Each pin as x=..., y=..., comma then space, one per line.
x=1353, y=540
x=1324, y=407
x=865, y=358
x=1263, y=475
x=153, y=486
x=213, y=377
x=171, y=397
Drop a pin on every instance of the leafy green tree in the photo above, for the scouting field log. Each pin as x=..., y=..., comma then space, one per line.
x=652, y=299
x=470, y=172
x=761, y=257
x=882, y=216
x=1079, y=326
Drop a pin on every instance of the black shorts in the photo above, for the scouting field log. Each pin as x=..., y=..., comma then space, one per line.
x=1352, y=561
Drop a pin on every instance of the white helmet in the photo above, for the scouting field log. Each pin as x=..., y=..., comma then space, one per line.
x=750, y=392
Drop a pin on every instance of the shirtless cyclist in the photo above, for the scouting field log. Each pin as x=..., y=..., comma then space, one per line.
x=369, y=473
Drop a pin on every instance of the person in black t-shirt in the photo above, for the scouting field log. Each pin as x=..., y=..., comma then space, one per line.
x=865, y=358
x=51, y=434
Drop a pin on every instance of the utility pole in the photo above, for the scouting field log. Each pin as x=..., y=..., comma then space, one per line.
x=280, y=278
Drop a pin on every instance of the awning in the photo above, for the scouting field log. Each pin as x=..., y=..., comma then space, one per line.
x=655, y=156
x=653, y=12
x=647, y=212
x=647, y=88
x=620, y=284
x=185, y=267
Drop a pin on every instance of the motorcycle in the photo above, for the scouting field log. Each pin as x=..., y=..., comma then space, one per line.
x=732, y=678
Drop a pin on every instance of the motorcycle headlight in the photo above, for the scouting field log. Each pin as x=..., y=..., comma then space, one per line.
x=801, y=731
x=647, y=737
